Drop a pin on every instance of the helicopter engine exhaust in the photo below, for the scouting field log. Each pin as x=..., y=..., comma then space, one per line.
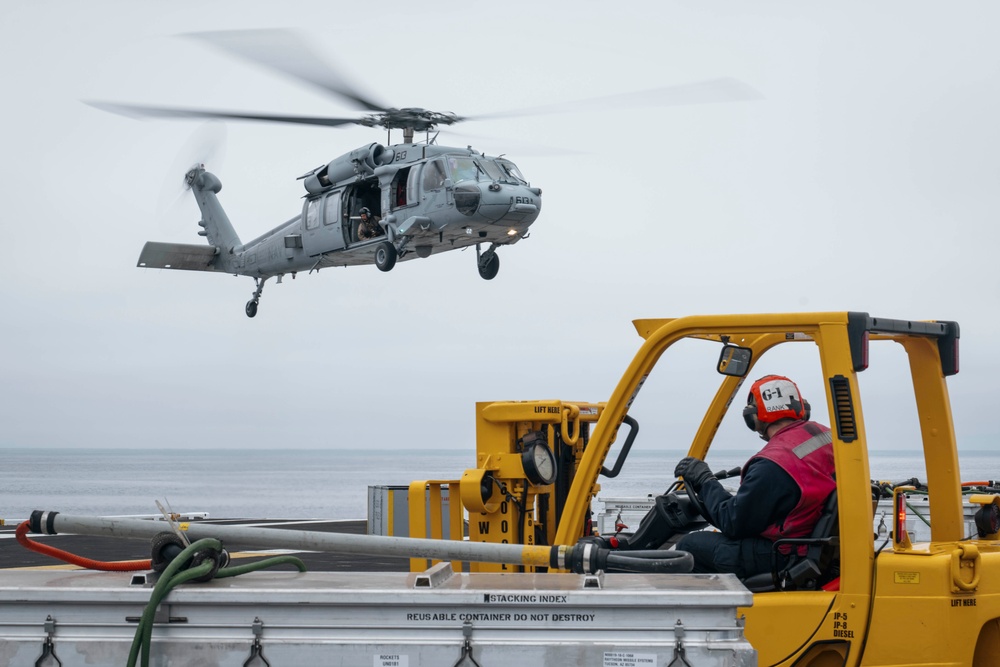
x=360, y=162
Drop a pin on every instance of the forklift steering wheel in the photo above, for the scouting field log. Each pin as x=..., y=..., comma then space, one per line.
x=696, y=502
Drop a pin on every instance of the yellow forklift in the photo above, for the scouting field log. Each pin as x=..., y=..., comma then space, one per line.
x=858, y=598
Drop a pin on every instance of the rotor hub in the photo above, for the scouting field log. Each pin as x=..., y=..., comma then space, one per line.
x=419, y=120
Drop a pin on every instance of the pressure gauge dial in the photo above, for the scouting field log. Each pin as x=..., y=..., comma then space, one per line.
x=539, y=463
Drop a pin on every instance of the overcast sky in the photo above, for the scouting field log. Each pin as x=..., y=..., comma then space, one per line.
x=866, y=178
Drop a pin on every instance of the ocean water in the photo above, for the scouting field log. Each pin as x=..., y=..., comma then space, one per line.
x=329, y=484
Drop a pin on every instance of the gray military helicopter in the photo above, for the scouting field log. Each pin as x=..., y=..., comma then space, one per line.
x=425, y=198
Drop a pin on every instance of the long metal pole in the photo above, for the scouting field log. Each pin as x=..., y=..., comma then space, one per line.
x=244, y=536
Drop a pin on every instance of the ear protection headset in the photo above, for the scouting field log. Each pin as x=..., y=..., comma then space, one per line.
x=773, y=398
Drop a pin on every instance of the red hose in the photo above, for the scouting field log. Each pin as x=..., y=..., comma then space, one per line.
x=120, y=566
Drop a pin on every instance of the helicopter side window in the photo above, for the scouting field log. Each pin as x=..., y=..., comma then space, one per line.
x=312, y=213
x=411, y=186
x=400, y=188
x=434, y=175
x=331, y=214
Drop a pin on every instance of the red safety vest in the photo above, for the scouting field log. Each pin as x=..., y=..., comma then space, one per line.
x=803, y=450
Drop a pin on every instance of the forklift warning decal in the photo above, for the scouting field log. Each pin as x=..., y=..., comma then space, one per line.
x=626, y=659
x=635, y=393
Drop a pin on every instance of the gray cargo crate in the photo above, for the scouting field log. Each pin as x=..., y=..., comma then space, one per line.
x=382, y=619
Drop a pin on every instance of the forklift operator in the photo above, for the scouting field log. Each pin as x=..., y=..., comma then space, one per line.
x=782, y=488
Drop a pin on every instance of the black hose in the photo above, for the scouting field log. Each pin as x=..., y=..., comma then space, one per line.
x=588, y=557
x=652, y=561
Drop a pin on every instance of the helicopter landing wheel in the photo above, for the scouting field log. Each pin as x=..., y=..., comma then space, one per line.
x=488, y=269
x=385, y=256
x=255, y=297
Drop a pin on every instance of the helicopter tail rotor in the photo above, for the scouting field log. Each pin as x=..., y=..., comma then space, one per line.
x=205, y=146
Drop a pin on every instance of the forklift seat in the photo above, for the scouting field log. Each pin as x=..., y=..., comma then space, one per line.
x=817, y=567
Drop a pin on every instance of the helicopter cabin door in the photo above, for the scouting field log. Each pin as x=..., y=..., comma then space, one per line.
x=322, y=224
x=435, y=186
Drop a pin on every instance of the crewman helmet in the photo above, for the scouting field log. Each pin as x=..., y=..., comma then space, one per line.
x=773, y=398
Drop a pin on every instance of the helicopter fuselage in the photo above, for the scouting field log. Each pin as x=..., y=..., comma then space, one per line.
x=428, y=199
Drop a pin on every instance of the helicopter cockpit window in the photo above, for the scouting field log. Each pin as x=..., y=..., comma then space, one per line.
x=493, y=171
x=464, y=169
x=434, y=175
x=512, y=172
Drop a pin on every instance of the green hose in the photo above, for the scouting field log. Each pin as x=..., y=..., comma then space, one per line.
x=237, y=570
x=917, y=512
x=173, y=575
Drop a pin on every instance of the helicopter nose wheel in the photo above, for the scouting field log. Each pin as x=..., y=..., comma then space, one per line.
x=385, y=256
x=489, y=263
x=251, y=308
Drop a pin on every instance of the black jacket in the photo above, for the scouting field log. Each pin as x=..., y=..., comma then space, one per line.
x=765, y=497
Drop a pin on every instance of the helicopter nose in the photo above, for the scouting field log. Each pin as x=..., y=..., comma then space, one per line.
x=509, y=204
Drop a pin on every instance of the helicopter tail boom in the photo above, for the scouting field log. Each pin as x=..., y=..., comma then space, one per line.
x=217, y=228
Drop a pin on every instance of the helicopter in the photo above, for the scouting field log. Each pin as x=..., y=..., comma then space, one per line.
x=424, y=198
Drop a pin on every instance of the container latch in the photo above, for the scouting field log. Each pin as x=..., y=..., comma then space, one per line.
x=48, y=657
x=679, y=651
x=256, y=650
x=467, y=646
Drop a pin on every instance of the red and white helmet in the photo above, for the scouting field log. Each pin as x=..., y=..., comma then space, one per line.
x=773, y=398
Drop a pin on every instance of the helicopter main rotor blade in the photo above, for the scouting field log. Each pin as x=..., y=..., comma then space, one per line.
x=524, y=148
x=134, y=111
x=702, y=92
x=286, y=52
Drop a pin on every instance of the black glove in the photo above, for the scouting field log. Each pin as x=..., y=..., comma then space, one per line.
x=694, y=471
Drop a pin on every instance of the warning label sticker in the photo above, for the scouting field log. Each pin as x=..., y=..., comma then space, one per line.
x=629, y=659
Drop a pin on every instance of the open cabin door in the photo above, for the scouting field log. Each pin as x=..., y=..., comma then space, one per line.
x=322, y=224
